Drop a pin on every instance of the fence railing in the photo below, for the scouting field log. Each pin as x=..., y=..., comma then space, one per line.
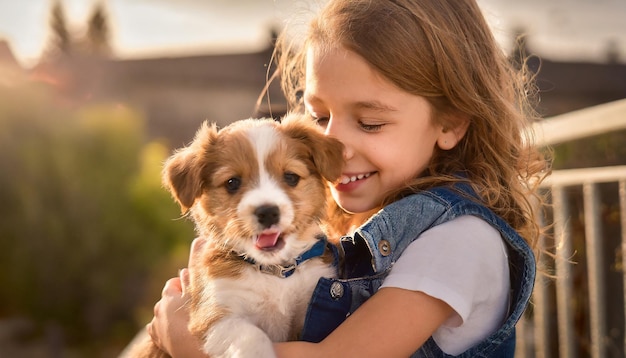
x=569, y=310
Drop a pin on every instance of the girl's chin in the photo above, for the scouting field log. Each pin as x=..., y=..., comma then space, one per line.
x=355, y=206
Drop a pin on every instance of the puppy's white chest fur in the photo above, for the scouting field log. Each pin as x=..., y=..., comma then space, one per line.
x=276, y=305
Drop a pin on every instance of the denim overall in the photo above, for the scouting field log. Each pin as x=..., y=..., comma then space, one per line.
x=377, y=244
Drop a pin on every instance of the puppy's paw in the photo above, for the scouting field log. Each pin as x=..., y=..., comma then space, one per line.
x=237, y=338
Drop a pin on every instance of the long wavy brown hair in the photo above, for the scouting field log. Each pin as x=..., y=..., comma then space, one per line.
x=444, y=51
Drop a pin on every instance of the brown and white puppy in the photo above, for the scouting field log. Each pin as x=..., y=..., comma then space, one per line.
x=256, y=191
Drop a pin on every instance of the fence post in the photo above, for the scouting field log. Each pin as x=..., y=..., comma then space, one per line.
x=540, y=297
x=622, y=210
x=595, y=264
x=563, y=254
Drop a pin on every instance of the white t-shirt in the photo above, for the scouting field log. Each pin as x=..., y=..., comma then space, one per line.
x=464, y=263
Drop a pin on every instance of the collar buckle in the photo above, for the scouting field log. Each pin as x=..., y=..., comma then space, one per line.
x=288, y=270
x=278, y=270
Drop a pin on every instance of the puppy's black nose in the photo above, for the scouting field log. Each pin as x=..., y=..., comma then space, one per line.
x=267, y=215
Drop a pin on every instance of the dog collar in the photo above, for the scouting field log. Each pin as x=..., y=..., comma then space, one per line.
x=286, y=271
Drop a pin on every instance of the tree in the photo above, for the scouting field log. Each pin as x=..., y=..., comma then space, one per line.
x=97, y=39
x=61, y=43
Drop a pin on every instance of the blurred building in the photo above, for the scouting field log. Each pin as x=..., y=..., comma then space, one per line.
x=568, y=86
x=178, y=93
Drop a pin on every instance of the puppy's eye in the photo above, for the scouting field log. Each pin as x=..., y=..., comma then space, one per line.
x=291, y=179
x=233, y=184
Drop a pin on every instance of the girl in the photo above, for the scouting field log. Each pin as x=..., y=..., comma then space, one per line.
x=437, y=224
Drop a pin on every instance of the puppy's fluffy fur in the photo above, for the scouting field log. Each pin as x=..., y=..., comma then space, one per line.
x=256, y=191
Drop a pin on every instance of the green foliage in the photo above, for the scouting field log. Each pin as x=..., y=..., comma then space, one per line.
x=602, y=150
x=84, y=221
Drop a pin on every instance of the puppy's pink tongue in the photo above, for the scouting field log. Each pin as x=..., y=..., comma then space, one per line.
x=267, y=239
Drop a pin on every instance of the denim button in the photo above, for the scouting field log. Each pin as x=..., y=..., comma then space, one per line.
x=384, y=247
x=336, y=290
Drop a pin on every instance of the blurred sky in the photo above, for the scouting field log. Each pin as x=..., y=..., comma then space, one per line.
x=558, y=29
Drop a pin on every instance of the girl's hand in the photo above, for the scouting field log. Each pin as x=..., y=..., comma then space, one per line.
x=168, y=328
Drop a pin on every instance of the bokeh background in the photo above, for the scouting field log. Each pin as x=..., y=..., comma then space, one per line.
x=95, y=95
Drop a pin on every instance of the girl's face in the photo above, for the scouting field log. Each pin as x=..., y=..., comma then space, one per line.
x=388, y=134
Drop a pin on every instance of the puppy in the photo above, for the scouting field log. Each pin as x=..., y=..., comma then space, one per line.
x=256, y=191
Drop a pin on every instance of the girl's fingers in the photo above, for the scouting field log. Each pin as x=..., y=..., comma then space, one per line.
x=194, y=255
x=153, y=336
x=170, y=317
x=172, y=287
x=196, y=249
x=184, y=279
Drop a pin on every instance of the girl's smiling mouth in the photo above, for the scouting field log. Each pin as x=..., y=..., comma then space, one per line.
x=345, y=179
x=352, y=181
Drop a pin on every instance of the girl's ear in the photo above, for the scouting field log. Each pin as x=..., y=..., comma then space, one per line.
x=450, y=137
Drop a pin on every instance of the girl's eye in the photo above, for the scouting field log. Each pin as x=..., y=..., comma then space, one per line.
x=370, y=127
x=292, y=179
x=233, y=184
x=321, y=121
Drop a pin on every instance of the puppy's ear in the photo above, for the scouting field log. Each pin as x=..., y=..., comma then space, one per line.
x=327, y=155
x=326, y=152
x=182, y=173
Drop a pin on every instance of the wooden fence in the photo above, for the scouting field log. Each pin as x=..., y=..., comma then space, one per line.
x=569, y=311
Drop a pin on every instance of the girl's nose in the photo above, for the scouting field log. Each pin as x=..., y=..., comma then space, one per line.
x=335, y=129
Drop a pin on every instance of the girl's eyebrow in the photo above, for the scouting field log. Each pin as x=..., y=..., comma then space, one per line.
x=375, y=106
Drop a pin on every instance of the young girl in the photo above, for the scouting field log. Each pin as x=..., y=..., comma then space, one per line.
x=437, y=224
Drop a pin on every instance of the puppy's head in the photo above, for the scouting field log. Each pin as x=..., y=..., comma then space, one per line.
x=257, y=186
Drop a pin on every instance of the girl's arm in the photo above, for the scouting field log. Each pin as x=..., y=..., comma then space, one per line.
x=393, y=323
